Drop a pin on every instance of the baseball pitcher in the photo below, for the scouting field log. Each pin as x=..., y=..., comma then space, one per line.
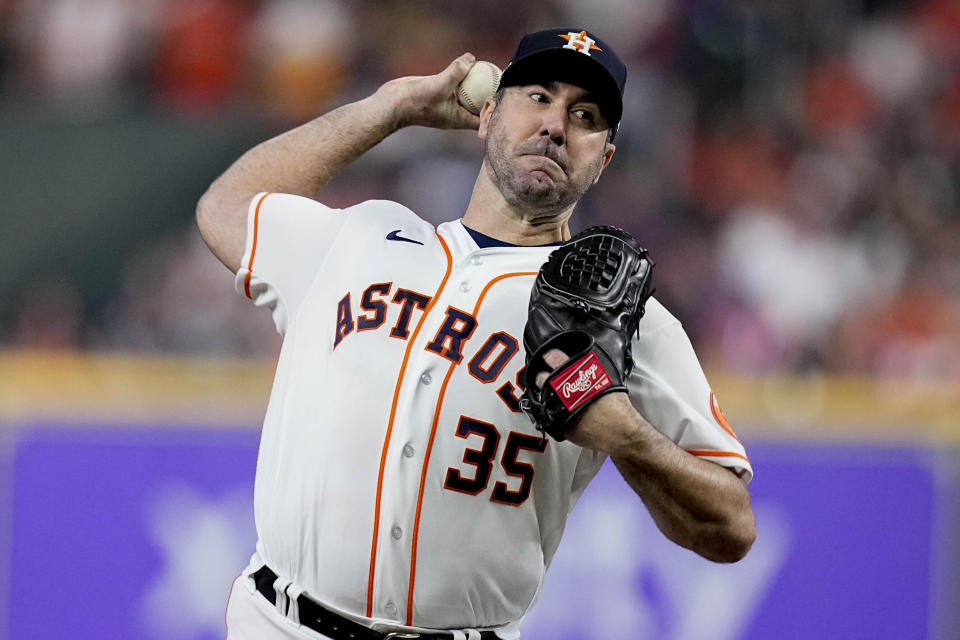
x=444, y=394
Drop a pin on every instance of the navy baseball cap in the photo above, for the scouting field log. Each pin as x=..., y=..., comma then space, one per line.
x=575, y=56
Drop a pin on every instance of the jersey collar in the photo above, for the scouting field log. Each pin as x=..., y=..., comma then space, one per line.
x=485, y=241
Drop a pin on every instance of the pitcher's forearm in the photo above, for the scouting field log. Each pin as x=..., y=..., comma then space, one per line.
x=697, y=504
x=301, y=161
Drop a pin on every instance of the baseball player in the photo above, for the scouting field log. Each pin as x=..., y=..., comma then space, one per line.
x=401, y=491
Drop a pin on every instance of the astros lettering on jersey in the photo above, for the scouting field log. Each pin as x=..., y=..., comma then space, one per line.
x=397, y=479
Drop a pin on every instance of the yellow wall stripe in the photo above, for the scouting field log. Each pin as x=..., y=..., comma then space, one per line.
x=119, y=388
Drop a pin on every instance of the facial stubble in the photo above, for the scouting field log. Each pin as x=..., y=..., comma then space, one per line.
x=522, y=190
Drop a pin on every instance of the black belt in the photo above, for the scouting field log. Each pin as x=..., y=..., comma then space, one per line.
x=331, y=624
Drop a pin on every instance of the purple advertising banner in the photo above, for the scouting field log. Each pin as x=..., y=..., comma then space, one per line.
x=119, y=532
x=128, y=533
x=854, y=542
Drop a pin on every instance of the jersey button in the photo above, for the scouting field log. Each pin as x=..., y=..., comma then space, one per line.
x=464, y=286
x=408, y=451
x=426, y=378
x=476, y=261
x=396, y=532
x=390, y=608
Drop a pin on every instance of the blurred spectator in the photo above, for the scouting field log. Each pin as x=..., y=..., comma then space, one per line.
x=81, y=54
x=200, y=52
x=886, y=58
x=300, y=53
x=836, y=101
x=798, y=280
x=48, y=315
x=738, y=166
x=7, y=10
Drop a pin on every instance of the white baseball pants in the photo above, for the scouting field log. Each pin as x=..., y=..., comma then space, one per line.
x=251, y=617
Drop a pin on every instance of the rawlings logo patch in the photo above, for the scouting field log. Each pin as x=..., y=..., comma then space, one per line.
x=582, y=381
x=585, y=380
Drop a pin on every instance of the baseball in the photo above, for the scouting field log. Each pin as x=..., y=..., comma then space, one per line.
x=479, y=84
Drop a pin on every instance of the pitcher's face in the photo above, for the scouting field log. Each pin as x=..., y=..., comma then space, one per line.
x=545, y=145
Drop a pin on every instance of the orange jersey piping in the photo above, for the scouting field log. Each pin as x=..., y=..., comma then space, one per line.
x=718, y=454
x=719, y=417
x=426, y=459
x=253, y=248
x=393, y=413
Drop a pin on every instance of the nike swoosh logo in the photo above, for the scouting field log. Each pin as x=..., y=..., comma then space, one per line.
x=395, y=235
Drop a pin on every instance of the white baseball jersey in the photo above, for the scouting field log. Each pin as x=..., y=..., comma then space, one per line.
x=398, y=482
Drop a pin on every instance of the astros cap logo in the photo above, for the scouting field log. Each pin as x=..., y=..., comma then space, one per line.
x=579, y=42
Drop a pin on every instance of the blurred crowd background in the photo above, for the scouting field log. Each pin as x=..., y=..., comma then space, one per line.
x=792, y=166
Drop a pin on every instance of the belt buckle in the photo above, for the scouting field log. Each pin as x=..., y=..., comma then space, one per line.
x=396, y=635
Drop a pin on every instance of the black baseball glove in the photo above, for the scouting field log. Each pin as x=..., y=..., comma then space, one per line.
x=587, y=302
